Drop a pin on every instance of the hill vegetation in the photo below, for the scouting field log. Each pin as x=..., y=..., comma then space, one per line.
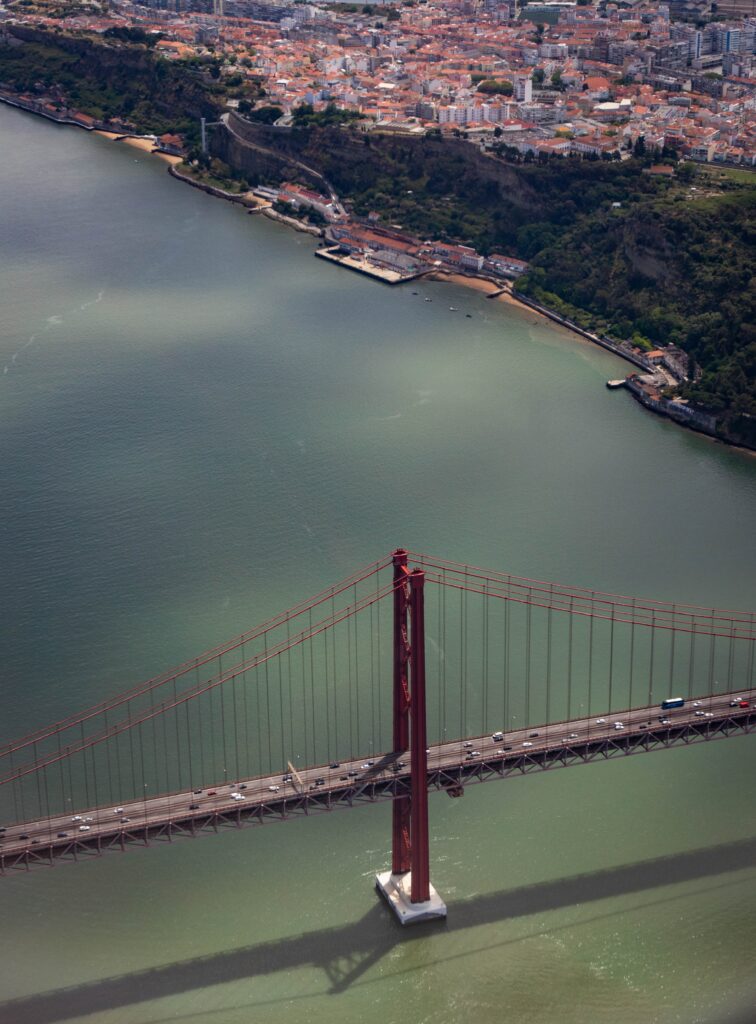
x=654, y=259
x=114, y=77
x=675, y=269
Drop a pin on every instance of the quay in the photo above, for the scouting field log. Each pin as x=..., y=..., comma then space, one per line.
x=365, y=266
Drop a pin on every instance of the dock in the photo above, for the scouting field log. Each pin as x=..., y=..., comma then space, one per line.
x=363, y=265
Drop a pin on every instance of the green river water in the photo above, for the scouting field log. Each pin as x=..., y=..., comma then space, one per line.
x=201, y=424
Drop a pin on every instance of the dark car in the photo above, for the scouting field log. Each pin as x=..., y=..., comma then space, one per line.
x=212, y=792
x=23, y=836
x=62, y=835
x=334, y=764
x=198, y=792
x=320, y=782
x=352, y=774
x=193, y=807
x=243, y=785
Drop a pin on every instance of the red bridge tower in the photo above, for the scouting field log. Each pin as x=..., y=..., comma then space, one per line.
x=407, y=886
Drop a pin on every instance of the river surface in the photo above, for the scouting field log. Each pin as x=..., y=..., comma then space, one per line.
x=201, y=424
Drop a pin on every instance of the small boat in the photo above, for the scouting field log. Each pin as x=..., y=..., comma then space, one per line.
x=453, y=309
x=429, y=300
x=414, y=293
x=469, y=316
x=615, y=384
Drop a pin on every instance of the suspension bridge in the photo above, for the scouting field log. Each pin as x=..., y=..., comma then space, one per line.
x=415, y=674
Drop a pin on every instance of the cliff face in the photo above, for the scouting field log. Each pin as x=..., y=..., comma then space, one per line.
x=354, y=162
x=647, y=250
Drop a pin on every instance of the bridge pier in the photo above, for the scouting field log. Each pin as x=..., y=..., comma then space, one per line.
x=406, y=888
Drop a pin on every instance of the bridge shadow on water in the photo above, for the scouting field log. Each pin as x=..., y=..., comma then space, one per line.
x=347, y=952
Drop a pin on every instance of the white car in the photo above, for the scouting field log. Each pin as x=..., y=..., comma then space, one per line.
x=85, y=828
x=238, y=796
x=497, y=737
x=696, y=703
x=272, y=789
x=118, y=810
x=600, y=721
x=527, y=743
x=619, y=725
x=699, y=714
x=77, y=817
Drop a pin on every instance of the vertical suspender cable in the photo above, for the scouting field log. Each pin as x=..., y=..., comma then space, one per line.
x=507, y=631
x=548, y=655
x=528, y=650
x=590, y=655
x=189, y=744
x=569, y=662
x=62, y=776
x=174, y=712
x=712, y=645
x=335, y=680
x=212, y=724
x=267, y=706
x=350, y=709
x=222, y=694
x=611, y=657
x=84, y=761
x=166, y=760
x=632, y=653
x=37, y=779
x=292, y=745
x=485, y=658
x=380, y=671
x=259, y=721
x=327, y=700
x=672, y=653
x=311, y=645
x=282, y=716
x=692, y=655
x=651, y=658
x=204, y=780
x=357, y=670
x=108, y=749
x=442, y=601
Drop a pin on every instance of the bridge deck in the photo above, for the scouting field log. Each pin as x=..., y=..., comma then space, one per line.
x=451, y=766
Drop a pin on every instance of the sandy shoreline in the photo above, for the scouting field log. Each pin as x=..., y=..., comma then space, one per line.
x=146, y=145
x=504, y=290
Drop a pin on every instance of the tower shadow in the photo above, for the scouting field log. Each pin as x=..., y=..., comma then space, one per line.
x=347, y=952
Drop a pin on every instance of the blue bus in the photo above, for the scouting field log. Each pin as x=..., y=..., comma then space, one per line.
x=672, y=702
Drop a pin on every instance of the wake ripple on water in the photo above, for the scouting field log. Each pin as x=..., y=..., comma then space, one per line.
x=52, y=321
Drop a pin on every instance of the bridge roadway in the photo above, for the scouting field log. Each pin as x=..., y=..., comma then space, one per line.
x=451, y=765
